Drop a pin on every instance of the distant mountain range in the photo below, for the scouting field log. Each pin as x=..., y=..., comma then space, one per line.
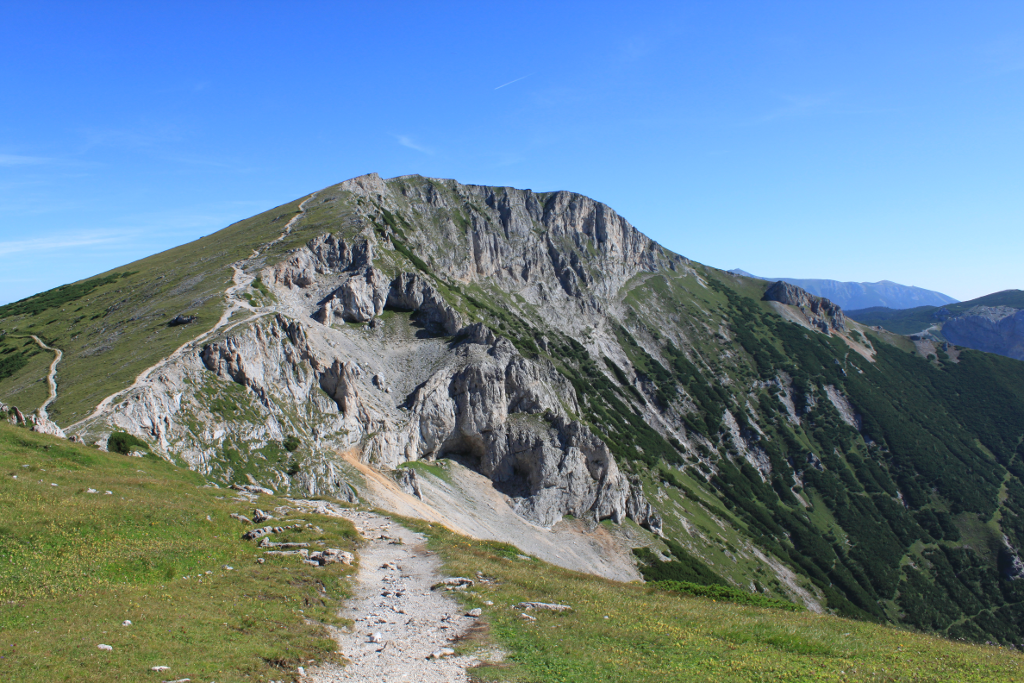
x=857, y=295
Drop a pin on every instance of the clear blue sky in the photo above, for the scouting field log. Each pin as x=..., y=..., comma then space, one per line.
x=855, y=141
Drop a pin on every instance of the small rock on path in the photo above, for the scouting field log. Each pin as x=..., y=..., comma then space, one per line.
x=399, y=621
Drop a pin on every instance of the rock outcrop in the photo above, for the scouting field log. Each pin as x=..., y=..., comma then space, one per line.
x=821, y=312
x=474, y=398
x=411, y=292
x=359, y=299
x=42, y=423
x=993, y=329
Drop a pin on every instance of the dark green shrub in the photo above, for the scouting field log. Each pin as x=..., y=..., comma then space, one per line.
x=124, y=443
x=291, y=442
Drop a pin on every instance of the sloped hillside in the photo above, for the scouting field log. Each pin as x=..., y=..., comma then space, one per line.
x=764, y=440
x=992, y=323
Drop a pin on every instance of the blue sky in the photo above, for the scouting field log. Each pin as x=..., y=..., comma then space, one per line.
x=854, y=141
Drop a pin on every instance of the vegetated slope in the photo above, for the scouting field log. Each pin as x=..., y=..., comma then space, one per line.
x=157, y=550
x=92, y=539
x=618, y=631
x=541, y=340
x=858, y=295
x=993, y=323
x=113, y=326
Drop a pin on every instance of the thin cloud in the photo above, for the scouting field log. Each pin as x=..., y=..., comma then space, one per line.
x=128, y=139
x=18, y=160
x=57, y=243
x=797, y=106
x=513, y=81
x=405, y=141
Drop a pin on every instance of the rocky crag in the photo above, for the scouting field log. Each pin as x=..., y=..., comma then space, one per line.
x=821, y=312
x=475, y=397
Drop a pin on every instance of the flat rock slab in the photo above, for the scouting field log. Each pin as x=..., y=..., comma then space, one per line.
x=395, y=606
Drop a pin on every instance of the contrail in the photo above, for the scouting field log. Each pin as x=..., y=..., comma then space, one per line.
x=516, y=80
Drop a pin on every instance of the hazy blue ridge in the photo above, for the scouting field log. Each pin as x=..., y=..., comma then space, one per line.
x=858, y=295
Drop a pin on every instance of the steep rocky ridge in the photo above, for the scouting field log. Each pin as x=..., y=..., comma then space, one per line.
x=578, y=372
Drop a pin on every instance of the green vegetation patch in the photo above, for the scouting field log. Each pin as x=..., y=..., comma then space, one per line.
x=37, y=303
x=159, y=550
x=12, y=359
x=634, y=632
x=124, y=443
x=726, y=593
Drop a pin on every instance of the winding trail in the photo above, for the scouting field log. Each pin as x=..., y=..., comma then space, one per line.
x=239, y=281
x=393, y=598
x=51, y=377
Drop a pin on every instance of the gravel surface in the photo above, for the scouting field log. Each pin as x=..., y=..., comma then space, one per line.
x=393, y=598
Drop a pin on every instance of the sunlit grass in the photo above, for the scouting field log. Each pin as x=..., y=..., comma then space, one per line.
x=75, y=565
x=652, y=635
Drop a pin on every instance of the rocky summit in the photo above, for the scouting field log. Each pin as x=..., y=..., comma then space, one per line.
x=529, y=367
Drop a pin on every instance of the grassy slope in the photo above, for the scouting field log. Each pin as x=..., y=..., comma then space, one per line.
x=651, y=635
x=74, y=565
x=120, y=328
x=96, y=560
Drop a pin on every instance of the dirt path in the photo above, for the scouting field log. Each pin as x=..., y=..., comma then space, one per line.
x=239, y=280
x=51, y=377
x=393, y=598
x=288, y=226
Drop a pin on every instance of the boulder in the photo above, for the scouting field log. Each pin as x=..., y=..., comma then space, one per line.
x=182, y=319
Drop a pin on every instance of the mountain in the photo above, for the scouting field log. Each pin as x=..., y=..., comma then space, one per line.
x=857, y=295
x=992, y=323
x=530, y=368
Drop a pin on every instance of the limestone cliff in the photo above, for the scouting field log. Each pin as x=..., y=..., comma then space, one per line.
x=820, y=311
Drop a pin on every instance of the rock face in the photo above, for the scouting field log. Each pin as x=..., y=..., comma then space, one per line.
x=993, y=329
x=42, y=423
x=503, y=414
x=473, y=396
x=821, y=312
x=360, y=299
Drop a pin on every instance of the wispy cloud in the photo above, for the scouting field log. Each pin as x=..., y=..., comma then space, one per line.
x=796, y=106
x=129, y=139
x=19, y=160
x=59, y=242
x=513, y=81
x=406, y=141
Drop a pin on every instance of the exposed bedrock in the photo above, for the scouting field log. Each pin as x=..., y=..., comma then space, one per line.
x=411, y=292
x=993, y=329
x=503, y=415
x=819, y=310
x=479, y=401
x=359, y=299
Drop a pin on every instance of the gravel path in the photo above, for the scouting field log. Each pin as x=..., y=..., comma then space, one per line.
x=393, y=598
x=51, y=377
